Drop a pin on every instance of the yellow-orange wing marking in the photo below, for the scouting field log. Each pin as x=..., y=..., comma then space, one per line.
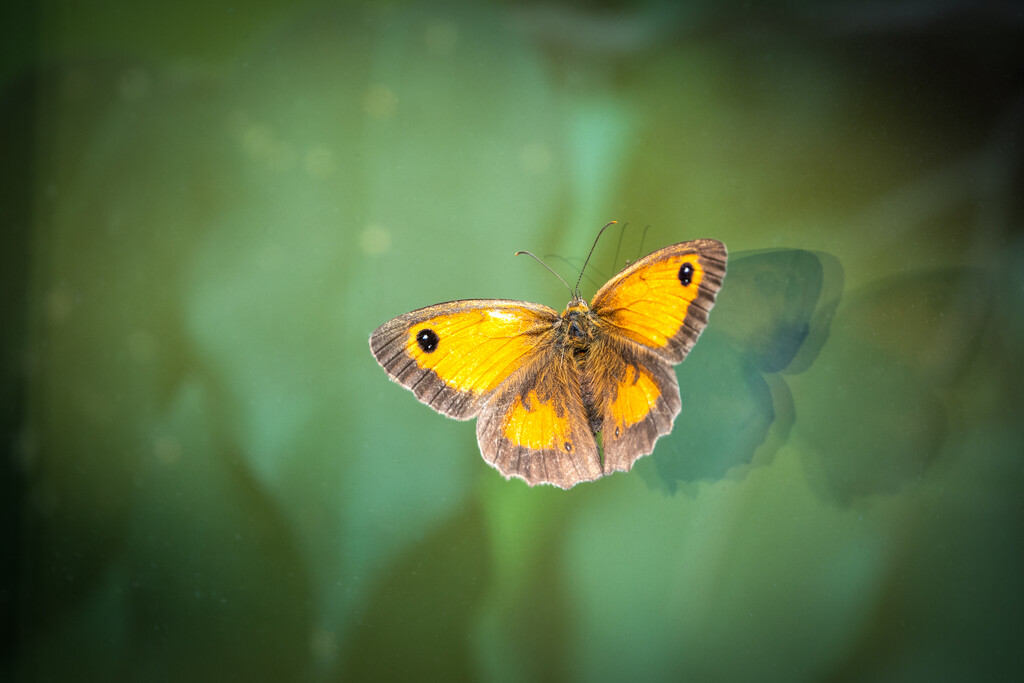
x=636, y=393
x=454, y=355
x=639, y=400
x=537, y=430
x=661, y=302
x=535, y=424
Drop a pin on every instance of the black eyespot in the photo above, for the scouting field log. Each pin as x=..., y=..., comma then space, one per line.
x=686, y=272
x=568, y=447
x=616, y=432
x=428, y=340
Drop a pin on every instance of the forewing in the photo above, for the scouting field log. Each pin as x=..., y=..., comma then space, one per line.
x=662, y=301
x=454, y=355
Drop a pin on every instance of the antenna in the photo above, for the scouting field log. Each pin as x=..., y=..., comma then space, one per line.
x=576, y=292
x=529, y=253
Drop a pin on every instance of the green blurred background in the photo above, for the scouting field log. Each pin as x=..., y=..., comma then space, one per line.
x=207, y=207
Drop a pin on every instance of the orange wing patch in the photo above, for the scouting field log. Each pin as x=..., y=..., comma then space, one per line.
x=476, y=349
x=454, y=355
x=657, y=301
x=645, y=403
x=662, y=301
x=636, y=396
x=538, y=431
x=536, y=425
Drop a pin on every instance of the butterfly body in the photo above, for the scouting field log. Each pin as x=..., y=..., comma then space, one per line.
x=543, y=385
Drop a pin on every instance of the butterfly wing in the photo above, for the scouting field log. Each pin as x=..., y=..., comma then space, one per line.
x=650, y=316
x=537, y=429
x=454, y=355
x=640, y=401
x=662, y=301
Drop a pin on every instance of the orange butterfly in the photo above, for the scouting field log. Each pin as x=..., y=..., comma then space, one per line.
x=543, y=385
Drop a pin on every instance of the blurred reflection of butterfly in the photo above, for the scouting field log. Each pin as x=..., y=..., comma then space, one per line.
x=770, y=323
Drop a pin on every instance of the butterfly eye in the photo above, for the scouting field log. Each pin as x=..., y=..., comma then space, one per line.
x=686, y=274
x=427, y=340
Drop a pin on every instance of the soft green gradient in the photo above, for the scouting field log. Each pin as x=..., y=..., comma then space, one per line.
x=211, y=478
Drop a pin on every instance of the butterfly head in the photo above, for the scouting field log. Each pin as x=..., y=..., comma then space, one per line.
x=577, y=324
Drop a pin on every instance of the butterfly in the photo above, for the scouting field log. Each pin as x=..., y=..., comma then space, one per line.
x=544, y=386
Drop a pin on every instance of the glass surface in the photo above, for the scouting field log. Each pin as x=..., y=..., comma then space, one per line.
x=210, y=206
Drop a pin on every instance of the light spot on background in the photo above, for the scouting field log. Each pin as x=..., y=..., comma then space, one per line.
x=324, y=645
x=379, y=102
x=536, y=158
x=319, y=162
x=270, y=257
x=441, y=37
x=261, y=144
x=142, y=346
x=375, y=239
x=134, y=84
x=58, y=306
x=257, y=139
x=167, y=450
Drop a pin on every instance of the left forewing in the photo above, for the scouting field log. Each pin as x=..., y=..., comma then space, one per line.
x=454, y=355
